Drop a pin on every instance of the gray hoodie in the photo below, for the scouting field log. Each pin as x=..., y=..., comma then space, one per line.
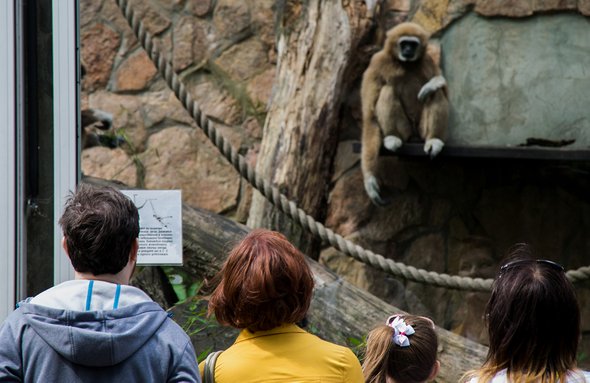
x=93, y=331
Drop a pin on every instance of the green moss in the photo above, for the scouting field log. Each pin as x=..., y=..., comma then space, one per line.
x=237, y=91
x=132, y=151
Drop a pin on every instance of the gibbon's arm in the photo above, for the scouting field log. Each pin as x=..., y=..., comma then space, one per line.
x=434, y=84
x=371, y=133
x=370, y=89
x=371, y=145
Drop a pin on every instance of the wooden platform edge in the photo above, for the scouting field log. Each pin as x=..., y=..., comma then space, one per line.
x=416, y=149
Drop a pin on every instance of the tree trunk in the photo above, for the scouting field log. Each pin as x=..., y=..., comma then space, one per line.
x=317, y=45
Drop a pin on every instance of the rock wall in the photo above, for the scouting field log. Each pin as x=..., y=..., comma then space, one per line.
x=456, y=216
x=223, y=50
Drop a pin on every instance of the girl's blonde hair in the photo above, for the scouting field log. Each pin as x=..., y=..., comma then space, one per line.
x=411, y=364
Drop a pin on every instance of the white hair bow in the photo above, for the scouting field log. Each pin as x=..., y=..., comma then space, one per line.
x=401, y=330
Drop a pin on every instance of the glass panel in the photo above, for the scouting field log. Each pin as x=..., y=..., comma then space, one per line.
x=38, y=118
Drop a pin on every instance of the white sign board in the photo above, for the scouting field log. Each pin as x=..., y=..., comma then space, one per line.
x=160, y=226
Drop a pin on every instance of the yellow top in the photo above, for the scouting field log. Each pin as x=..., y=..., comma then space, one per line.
x=285, y=354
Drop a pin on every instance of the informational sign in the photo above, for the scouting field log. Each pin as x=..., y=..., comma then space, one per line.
x=160, y=226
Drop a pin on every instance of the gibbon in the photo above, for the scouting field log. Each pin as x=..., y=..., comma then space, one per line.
x=403, y=95
x=94, y=119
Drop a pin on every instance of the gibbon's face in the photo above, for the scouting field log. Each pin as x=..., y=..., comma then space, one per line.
x=408, y=48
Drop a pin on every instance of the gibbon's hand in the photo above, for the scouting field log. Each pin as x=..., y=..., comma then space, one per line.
x=104, y=119
x=101, y=119
x=433, y=146
x=374, y=191
x=430, y=87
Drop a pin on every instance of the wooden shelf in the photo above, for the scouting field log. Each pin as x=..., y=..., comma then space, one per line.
x=415, y=149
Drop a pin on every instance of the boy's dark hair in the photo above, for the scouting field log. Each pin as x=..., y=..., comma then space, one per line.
x=264, y=283
x=533, y=321
x=99, y=225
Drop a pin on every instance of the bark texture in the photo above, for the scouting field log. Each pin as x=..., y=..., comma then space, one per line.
x=317, y=42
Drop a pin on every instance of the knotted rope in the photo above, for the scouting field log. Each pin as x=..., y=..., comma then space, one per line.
x=274, y=196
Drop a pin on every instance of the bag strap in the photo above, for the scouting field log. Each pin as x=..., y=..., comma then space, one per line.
x=209, y=370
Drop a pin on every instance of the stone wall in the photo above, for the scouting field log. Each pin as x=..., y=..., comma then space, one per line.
x=456, y=216
x=224, y=51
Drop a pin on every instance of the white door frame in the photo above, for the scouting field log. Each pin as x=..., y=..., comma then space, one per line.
x=66, y=159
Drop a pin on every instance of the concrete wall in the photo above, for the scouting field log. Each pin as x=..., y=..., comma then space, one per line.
x=516, y=79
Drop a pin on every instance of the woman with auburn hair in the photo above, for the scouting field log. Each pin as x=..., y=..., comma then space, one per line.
x=403, y=350
x=533, y=323
x=265, y=288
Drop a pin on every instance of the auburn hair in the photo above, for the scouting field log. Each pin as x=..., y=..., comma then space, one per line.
x=265, y=282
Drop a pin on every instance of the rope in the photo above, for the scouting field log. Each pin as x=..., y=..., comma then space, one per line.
x=279, y=200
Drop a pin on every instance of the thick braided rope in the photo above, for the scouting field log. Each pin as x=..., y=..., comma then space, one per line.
x=579, y=275
x=279, y=200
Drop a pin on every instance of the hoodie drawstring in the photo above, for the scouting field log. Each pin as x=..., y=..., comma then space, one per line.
x=89, y=295
x=117, y=294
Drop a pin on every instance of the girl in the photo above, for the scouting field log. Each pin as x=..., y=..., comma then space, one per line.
x=402, y=351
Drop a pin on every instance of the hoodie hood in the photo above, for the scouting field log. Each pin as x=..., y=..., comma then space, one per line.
x=102, y=337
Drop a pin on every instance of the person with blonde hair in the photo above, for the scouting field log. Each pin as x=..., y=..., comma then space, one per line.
x=265, y=289
x=533, y=321
x=404, y=350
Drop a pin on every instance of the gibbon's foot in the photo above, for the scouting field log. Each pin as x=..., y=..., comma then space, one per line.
x=430, y=87
x=374, y=191
x=392, y=143
x=433, y=146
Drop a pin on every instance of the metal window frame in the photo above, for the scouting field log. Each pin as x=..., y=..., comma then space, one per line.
x=7, y=158
x=65, y=122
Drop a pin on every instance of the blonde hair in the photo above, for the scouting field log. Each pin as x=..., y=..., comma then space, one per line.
x=412, y=364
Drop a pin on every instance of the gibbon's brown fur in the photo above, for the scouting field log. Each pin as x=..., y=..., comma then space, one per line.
x=93, y=119
x=403, y=94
